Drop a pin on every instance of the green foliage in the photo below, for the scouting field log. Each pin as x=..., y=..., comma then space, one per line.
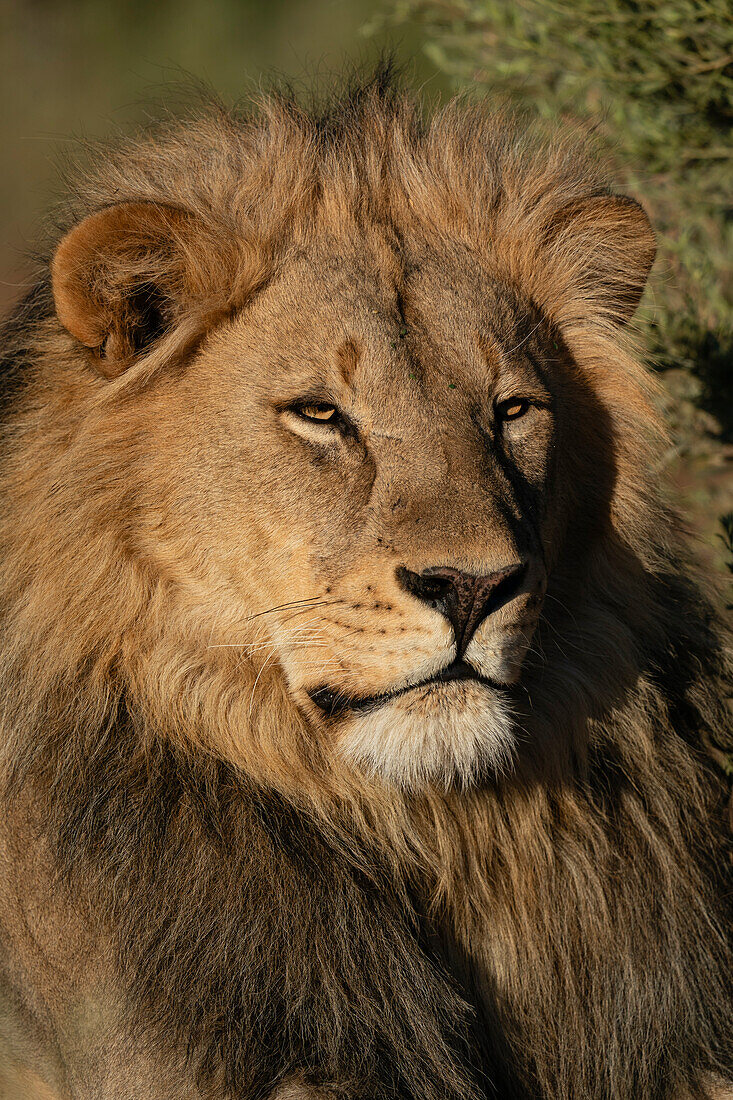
x=654, y=79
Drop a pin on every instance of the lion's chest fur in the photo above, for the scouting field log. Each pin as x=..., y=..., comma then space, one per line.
x=229, y=924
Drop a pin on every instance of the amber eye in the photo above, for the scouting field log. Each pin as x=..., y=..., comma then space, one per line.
x=512, y=409
x=316, y=411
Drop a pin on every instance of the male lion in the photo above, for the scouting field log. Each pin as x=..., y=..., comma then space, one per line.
x=355, y=683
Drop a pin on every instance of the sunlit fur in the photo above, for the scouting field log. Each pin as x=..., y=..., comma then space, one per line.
x=460, y=731
x=546, y=921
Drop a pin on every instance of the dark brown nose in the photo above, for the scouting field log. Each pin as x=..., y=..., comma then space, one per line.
x=464, y=598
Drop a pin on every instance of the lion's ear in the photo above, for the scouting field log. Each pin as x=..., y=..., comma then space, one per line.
x=120, y=279
x=608, y=244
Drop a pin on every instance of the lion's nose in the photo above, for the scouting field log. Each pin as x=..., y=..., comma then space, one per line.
x=464, y=598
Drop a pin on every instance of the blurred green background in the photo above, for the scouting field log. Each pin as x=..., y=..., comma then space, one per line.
x=651, y=81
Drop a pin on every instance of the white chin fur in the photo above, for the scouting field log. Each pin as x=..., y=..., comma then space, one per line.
x=442, y=734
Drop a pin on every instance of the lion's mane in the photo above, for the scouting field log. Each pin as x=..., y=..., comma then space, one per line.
x=561, y=933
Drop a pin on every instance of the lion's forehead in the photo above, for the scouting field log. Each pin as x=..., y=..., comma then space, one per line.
x=434, y=315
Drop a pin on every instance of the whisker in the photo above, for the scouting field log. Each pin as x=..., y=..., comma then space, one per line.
x=564, y=606
x=293, y=634
x=312, y=607
x=257, y=680
x=256, y=647
x=301, y=626
x=559, y=637
x=567, y=641
x=285, y=606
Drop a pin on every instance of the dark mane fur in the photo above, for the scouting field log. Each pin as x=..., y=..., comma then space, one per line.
x=372, y=1012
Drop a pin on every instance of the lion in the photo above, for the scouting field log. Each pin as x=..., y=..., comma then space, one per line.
x=356, y=677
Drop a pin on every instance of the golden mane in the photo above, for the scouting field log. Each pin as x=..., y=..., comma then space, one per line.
x=507, y=933
x=466, y=173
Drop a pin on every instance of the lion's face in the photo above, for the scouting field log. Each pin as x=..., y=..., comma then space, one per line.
x=353, y=440
x=375, y=468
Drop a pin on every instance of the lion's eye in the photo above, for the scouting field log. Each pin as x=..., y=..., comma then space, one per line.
x=322, y=413
x=317, y=421
x=513, y=408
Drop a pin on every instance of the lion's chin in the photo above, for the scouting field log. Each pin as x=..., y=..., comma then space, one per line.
x=439, y=734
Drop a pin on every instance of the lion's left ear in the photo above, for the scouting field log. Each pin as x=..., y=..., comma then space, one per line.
x=124, y=276
x=606, y=246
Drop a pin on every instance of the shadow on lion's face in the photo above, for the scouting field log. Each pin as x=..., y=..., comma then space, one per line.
x=353, y=462
x=374, y=490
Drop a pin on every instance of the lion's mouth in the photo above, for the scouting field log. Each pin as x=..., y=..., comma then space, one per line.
x=334, y=703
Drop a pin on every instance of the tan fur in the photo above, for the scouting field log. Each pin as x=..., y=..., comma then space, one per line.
x=185, y=560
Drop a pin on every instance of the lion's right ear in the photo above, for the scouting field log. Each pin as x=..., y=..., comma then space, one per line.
x=122, y=277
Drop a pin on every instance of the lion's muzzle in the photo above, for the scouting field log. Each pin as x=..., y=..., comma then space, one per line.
x=464, y=598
